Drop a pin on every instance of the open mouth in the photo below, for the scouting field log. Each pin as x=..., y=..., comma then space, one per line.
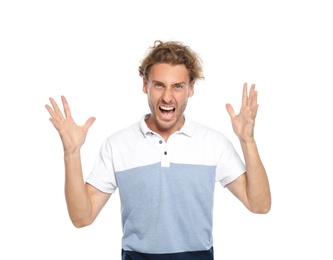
x=167, y=112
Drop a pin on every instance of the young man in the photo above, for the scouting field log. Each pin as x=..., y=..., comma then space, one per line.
x=165, y=166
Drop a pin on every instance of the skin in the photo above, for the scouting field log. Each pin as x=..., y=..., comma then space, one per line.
x=251, y=188
x=168, y=89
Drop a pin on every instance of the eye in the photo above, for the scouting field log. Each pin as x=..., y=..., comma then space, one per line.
x=158, y=85
x=178, y=87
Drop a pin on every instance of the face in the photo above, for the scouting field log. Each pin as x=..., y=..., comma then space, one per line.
x=168, y=87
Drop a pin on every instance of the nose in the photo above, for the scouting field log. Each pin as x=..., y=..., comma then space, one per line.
x=167, y=95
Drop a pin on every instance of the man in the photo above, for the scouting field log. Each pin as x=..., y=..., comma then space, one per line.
x=165, y=166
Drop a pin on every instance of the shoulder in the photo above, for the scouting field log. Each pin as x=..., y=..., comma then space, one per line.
x=131, y=131
x=205, y=132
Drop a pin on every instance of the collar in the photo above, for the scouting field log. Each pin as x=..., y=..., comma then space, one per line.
x=187, y=128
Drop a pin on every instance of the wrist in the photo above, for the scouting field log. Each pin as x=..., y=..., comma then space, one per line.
x=248, y=142
x=72, y=154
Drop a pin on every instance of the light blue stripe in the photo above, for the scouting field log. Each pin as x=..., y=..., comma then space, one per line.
x=167, y=209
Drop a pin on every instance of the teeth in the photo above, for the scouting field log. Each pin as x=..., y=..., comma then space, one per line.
x=167, y=108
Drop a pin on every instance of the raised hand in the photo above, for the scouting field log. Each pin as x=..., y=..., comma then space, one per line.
x=72, y=135
x=243, y=123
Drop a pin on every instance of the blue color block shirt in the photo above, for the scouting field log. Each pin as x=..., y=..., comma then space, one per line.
x=166, y=188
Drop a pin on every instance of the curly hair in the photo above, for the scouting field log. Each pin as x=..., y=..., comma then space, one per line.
x=172, y=52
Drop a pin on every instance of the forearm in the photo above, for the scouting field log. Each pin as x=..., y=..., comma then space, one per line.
x=257, y=185
x=76, y=194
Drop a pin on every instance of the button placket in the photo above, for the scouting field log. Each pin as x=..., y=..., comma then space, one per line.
x=165, y=158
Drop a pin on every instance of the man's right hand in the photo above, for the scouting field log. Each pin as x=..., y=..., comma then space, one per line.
x=72, y=135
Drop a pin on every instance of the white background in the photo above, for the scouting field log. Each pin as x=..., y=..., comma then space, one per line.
x=90, y=51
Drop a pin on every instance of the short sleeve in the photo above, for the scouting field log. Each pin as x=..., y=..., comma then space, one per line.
x=230, y=165
x=102, y=175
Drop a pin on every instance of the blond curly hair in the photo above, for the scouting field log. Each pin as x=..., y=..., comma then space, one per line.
x=172, y=52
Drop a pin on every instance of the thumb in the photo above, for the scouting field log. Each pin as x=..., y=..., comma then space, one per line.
x=89, y=122
x=230, y=110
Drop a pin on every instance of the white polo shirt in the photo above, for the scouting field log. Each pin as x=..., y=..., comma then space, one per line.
x=166, y=188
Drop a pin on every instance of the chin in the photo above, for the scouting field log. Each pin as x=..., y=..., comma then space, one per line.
x=168, y=124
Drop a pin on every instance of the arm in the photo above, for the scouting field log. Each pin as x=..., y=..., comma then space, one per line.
x=84, y=202
x=252, y=188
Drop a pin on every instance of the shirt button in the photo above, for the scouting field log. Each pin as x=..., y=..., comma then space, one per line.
x=160, y=141
x=165, y=153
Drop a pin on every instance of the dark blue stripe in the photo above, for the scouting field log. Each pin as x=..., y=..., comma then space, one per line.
x=195, y=255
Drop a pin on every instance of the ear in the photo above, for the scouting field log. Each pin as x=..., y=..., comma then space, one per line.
x=145, y=86
x=191, y=90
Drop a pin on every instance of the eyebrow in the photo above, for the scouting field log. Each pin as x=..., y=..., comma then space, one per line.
x=177, y=83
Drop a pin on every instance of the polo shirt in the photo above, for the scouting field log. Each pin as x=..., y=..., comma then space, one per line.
x=166, y=189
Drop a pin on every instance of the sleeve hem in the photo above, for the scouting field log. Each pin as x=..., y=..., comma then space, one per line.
x=227, y=181
x=101, y=187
